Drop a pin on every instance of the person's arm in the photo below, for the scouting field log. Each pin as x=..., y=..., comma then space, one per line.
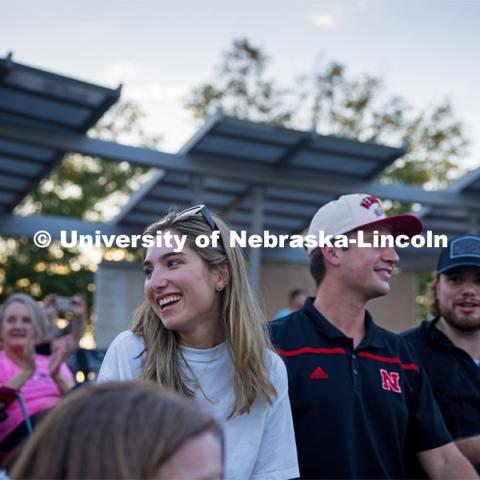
x=470, y=447
x=50, y=311
x=25, y=359
x=64, y=384
x=446, y=462
x=79, y=317
x=18, y=381
x=124, y=359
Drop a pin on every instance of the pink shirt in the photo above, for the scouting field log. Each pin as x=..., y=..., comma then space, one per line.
x=39, y=392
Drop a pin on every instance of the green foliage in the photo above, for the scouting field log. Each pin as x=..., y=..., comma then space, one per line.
x=242, y=90
x=39, y=272
x=423, y=279
x=437, y=143
x=329, y=101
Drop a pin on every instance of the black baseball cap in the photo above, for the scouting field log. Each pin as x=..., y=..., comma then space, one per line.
x=463, y=251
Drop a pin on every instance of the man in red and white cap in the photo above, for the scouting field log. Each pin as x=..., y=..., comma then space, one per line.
x=360, y=399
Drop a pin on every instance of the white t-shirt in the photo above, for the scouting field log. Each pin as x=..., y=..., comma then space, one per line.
x=258, y=445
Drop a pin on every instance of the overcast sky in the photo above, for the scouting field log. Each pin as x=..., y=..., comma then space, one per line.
x=426, y=51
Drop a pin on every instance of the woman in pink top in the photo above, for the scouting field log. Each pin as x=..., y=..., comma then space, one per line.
x=41, y=381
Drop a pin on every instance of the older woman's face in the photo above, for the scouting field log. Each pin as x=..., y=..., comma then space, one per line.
x=17, y=329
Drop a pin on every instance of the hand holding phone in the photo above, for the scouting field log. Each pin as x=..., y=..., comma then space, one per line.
x=64, y=304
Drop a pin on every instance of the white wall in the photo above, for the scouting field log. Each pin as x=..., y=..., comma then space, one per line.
x=118, y=293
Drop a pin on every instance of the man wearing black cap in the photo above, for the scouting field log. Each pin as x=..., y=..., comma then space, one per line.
x=450, y=343
x=359, y=395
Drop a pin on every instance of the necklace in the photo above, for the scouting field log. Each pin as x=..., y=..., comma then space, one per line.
x=197, y=378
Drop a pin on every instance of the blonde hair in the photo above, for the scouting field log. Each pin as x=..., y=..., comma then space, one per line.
x=244, y=325
x=37, y=316
x=113, y=430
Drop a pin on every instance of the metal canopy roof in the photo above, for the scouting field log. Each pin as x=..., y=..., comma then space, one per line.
x=469, y=183
x=257, y=176
x=251, y=142
x=36, y=98
x=232, y=141
x=455, y=221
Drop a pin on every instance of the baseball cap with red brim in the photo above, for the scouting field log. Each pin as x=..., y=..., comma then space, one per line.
x=357, y=211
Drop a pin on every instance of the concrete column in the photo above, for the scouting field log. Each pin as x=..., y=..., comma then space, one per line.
x=197, y=190
x=118, y=293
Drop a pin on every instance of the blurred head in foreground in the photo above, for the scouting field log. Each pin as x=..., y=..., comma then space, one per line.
x=124, y=430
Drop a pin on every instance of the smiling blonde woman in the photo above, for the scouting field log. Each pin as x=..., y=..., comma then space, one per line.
x=201, y=332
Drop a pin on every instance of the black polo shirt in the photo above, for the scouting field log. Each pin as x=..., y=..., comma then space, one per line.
x=357, y=412
x=454, y=376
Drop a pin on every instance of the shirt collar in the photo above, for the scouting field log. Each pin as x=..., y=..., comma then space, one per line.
x=373, y=336
x=436, y=336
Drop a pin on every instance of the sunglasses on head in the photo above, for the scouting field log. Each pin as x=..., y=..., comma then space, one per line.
x=203, y=210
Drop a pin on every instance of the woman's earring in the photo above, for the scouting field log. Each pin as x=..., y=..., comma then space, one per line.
x=219, y=289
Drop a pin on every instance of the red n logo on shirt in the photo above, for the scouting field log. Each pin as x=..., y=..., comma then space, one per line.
x=390, y=381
